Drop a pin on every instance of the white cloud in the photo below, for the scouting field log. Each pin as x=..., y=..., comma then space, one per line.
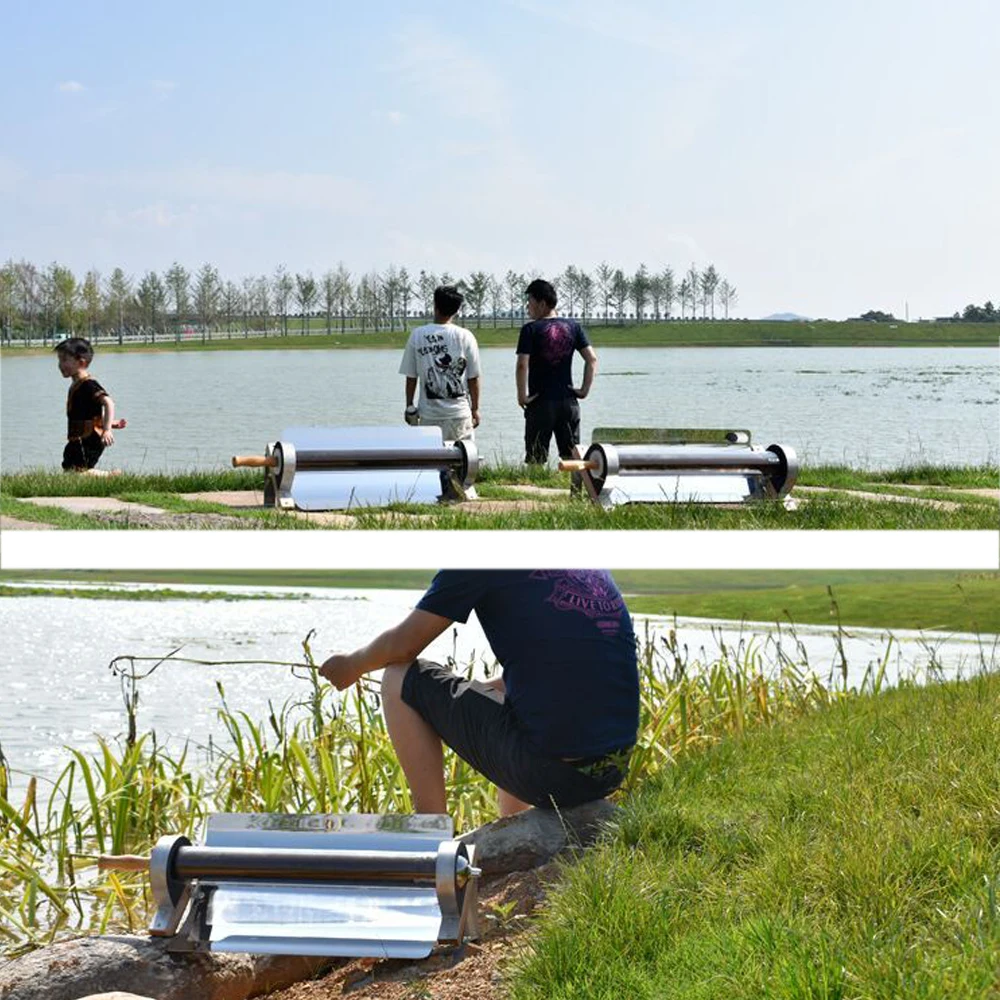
x=163, y=86
x=394, y=117
x=647, y=26
x=71, y=87
x=446, y=72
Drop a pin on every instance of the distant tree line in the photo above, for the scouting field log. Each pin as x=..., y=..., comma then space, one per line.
x=987, y=313
x=52, y=302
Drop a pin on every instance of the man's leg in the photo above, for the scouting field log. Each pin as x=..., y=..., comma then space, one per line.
x=417, y=746
x=473, y=719
x=537, y=432
x=507, y=802
x=567, y=431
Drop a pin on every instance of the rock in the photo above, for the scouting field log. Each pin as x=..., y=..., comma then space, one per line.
x=531, y=838
x=86, y=966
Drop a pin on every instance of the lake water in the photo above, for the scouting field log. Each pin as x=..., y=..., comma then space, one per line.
x=58, y=690
x=871, y=407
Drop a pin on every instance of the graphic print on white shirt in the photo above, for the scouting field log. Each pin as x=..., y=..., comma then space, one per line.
x=442, y=357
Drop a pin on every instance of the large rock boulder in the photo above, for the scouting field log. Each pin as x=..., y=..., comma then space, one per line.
x=531, y=838
x=74, y=969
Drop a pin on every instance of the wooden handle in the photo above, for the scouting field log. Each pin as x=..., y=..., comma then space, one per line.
x=123, y=863
x=254, y=462
x=576, y=465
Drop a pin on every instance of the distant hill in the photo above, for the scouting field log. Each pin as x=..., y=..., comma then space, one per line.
x=788, y=318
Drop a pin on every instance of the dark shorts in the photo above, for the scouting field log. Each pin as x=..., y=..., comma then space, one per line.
x=480, y=727
x=82, y=453
x=545, y=417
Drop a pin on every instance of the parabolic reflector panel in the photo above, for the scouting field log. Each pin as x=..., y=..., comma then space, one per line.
x=342, y=489
x=350, y=920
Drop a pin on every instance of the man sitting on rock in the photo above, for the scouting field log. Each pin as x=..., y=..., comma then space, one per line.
x=555, y=730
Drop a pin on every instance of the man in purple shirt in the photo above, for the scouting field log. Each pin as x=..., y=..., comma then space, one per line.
x=545, y=390
x=555, y=729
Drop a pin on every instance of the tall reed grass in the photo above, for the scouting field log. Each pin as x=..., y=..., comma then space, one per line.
x=326, y=751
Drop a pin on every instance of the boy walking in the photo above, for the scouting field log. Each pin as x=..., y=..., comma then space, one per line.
x=444, y=358
x=90, y=411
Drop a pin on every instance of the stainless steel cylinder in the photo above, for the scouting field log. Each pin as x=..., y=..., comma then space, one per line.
x=666, y=458
x=322, y=460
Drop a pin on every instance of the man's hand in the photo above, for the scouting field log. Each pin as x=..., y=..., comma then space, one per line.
x=108, y=438
x=580, y=393
x=342, y=670
x=475, y=418
x=524, y=401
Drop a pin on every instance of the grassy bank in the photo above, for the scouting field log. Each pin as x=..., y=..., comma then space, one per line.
x=840, y=504
x=851, y=853
x=160, y=594
x=934, y=599
x=677, y=333
x=323, y=751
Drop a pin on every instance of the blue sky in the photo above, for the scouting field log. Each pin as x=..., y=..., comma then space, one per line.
x=827, y=157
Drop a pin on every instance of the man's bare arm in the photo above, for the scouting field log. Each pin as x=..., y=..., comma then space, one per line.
x=474, y=399
x=589, y=371
x=521, y=374
x=400, y=644
x=411, y=390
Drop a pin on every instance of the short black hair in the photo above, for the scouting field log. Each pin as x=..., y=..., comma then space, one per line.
x=76, y=347
x=447, y=300
x=542, y=291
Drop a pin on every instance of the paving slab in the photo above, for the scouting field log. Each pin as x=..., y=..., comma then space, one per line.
x=330, y=518
x=992, y=494
x=252, y=499
x=541, y=491
x=16, y=524
x=884, y=497
x=499, y=506
x=89, y=505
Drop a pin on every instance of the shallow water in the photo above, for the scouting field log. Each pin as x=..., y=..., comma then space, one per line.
x=871, y=407
x=59, y=692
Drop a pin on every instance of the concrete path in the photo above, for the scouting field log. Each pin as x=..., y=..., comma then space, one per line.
x=243, y=499
x=16, y=524
x=90, y=505
x=989, y=493
x=884, y=497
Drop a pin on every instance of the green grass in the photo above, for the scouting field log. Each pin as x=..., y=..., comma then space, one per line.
x=852, y=853
x=933, y=599
x=375, y=579
x=836, y=510
x=698, y=333
x=952, y=476
x=958, y=602
x=160, y=594
x=321, y=751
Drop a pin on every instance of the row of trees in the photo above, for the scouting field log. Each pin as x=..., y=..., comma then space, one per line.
x=53, y=302
x=987, y=313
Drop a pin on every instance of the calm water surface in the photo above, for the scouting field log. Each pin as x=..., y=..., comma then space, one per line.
x=58, y=690
x=872, y=407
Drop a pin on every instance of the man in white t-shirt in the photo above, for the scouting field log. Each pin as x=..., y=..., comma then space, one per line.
x=444, y=359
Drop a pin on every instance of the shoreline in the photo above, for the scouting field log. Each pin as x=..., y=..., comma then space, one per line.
x=678, y=334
